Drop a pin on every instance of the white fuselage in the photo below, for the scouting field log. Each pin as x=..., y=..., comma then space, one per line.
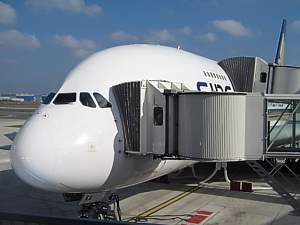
x=75, y=148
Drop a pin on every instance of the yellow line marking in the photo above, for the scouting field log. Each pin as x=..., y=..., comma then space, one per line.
x=165, y=203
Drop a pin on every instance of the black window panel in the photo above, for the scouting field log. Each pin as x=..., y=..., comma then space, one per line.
x=263, y=77
x=65, y=98
x=49, y=98
x=102, y=102
x=158, y=116
x=87, y=100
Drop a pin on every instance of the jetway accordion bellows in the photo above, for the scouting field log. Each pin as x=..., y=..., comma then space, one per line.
x=128, y=101
x=241, y=72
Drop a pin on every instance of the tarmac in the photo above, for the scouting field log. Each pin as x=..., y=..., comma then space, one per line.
x=178, y=200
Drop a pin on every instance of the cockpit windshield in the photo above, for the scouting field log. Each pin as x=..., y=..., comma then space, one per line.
x=64, y=98
x=102, y=102
x=86, y=100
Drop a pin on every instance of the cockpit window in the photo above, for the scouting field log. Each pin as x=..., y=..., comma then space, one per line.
x=49, y=98
x=65, y=98
x=102, y=102
x=86, y=100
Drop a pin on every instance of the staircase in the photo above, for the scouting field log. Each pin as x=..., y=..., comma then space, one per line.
x=276, y=183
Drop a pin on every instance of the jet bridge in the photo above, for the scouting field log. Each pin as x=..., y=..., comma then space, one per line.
x=253, y=74
x=165, y=119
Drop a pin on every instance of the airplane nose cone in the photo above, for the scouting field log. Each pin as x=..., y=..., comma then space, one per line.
x=55, y=152
x=31, y=157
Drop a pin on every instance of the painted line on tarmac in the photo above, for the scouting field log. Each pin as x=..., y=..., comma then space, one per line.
x=165, y=204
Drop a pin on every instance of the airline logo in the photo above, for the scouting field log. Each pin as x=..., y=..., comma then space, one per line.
x=213, y=87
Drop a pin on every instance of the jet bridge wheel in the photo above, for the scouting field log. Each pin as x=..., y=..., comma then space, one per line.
x=102, y=210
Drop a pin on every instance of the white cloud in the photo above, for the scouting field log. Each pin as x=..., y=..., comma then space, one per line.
x=232, y=27
x=160, y=36
x=75, y=6
x=17, y=39
x=208, y=37
x=80, y=48
x=7, y=14
x=82, y=52
x=71, y=42
x=296, y=25
x=186, y=30
x=123, y=36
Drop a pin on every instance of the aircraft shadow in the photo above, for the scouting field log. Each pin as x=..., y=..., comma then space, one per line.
x=181, y=183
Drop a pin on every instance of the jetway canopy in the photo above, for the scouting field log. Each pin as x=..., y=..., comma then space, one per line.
x=253, y=74
x=166, y=119
x=246, y=73
x=199, y=125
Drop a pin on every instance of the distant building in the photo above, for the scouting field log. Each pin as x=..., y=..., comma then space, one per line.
x=17, y=99
x=26, y=97
x=10, y=99
x=4, y=98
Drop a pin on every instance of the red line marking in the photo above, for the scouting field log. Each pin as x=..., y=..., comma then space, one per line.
x=204, y=213
x=196, y=219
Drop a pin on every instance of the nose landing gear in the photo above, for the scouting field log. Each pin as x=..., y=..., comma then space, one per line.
x=102, y=206
x=102, y=210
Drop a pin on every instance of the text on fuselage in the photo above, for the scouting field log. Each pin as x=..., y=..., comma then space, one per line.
x=214, y=87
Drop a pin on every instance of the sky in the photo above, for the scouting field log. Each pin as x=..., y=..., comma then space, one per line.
x=42, y=40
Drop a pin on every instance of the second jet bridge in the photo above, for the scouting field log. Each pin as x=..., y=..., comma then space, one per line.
x=165, y=119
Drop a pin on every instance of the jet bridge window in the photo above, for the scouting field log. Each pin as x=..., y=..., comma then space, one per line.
x=86, y=100
x=102, y=102
x=158, y=116
x=64, y=98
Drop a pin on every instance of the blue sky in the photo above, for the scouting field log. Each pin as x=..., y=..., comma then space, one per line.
x=42, y=40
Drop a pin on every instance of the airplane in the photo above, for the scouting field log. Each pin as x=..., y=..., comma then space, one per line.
x=72, y=143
